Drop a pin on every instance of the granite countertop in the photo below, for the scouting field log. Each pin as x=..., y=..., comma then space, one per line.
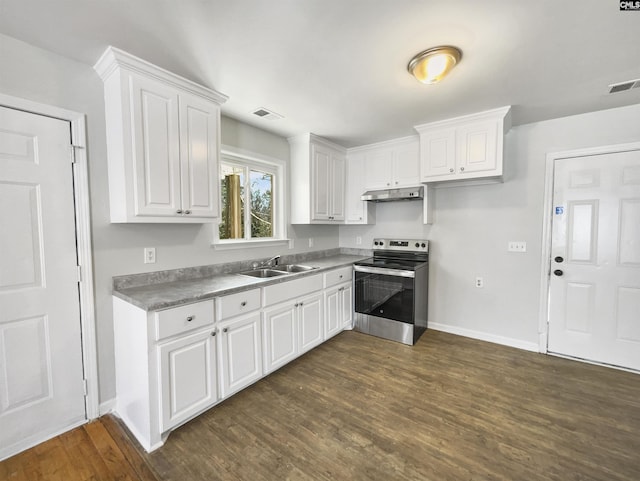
x=158, y=296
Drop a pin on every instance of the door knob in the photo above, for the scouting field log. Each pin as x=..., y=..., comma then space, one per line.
x=558, y=259
x=558, y=272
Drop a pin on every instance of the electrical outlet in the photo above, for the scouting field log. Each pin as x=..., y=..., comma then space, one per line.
x=149, y=255
x=517, y=246
x=358, y=240
x=479, y=282
x=310, y=241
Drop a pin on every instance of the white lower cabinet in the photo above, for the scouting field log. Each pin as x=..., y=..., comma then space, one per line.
x=175, y=363
x=240, y=353
x=339, y=307
x=188, y=377
x=294, y=326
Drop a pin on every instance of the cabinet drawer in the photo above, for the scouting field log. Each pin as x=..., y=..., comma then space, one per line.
x=338, y=276
x=239, y=303
x=183, y=319
x=294, y=288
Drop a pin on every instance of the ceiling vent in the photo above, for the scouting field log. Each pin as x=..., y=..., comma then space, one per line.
x=622, y=86
x=267, y=114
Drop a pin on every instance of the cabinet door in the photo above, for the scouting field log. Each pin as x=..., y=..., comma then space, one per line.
x=476, y=147
x=356, y=209
x=406, y=165
x=241, y=353
x=188, y=382
x=346, y=305
x=336, y=188
x=310, y=322
x=379, y=169
x=156, y=152
x=332, y=318
x=320, y=183
x=280, y=347
x=199, y=156
x=438, y=155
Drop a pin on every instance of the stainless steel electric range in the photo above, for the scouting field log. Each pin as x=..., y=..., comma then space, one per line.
x=390, y=290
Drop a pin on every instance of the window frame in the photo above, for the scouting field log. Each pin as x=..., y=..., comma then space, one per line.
x=276, y=167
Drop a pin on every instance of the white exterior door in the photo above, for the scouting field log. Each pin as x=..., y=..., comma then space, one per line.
x=594, y=310
x=41, y=376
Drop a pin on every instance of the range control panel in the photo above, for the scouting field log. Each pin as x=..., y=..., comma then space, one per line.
x=410, y=245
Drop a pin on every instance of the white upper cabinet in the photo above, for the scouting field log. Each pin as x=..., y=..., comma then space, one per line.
x=391, y=164
x=162, y=142
x=357, y=211
x=464, y=148
x=318, y=170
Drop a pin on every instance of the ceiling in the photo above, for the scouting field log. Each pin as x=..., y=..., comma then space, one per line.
x=337, y=68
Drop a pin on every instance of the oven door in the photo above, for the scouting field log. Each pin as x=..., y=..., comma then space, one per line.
x=386, y=293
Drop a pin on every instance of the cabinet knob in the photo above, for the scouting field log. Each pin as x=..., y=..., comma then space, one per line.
x=213, y=333
x=243, y=303
x=301, y=303
x=225, y=329
x=187, y=212
x=388, y=183
x=190, y=318
x=461, y=169
x=340, y=276
x=396, y=182
x=451, y=169
x=179, y=211
x=296, y=305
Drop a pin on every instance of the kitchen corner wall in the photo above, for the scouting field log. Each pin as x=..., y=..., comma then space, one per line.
x=42, y=76
x=473, y=225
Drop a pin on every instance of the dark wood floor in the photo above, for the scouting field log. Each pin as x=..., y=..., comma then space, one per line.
x=362, y=408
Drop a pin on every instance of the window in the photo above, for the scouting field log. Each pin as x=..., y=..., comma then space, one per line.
x=251, y=199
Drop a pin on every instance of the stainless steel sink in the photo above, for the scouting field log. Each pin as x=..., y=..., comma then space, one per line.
x=291, y=268
x=264, y=273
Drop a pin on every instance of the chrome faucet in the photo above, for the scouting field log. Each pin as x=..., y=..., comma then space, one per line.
x=269, y=263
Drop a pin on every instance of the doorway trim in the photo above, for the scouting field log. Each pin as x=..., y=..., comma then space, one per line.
x=545, y=262
x=83, y=236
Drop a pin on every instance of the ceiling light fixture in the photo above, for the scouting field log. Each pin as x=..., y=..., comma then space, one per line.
x=434, y=64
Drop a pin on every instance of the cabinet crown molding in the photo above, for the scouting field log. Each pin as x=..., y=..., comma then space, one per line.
x=309, y=137
x=114, y=58
x=401, y=141
x=502, y=112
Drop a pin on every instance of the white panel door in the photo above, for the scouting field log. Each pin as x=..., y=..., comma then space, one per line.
x=347, y=305
x=337, y=187
x=438, y=154
x=406, y=165
x=595, y=264
x=311, y=323
x=333, y=313
x=199, y=147
x=188, y=381
x=279, y=324
x=476, y=146
x=240, y=353
x=378, y=169
x=321, y=172
x=156, y=148
x=41, y=378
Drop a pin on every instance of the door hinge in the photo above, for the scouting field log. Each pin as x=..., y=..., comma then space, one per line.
x=85, y=387
x=73, y=152
x=79, y=273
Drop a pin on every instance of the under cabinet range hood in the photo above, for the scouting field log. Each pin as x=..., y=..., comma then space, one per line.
x=388, y=195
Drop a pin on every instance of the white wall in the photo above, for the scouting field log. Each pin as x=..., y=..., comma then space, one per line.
x=44, y=77
x=473, y=225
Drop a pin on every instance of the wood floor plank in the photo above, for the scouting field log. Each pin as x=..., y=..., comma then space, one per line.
x=360, y=408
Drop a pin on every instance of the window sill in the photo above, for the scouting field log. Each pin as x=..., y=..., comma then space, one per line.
x=243, y=244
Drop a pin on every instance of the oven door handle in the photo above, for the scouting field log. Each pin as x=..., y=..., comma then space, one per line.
x=384, y=271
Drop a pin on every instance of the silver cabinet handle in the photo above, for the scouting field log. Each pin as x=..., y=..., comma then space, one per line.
x=187, y=212
x=190, y=318
x=396, y=182
x=179, y=211
x=296, y=305
x=340, y=276
x=301, y=304
x=243, y=303
x=225, y=329
x=461, y=169
x=213, y=333
x=451, y=170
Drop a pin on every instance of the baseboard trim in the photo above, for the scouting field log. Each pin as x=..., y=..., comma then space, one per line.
x=483, y=336
x=107, y=406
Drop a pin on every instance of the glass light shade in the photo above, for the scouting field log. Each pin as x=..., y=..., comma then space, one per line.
x=434, y=64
